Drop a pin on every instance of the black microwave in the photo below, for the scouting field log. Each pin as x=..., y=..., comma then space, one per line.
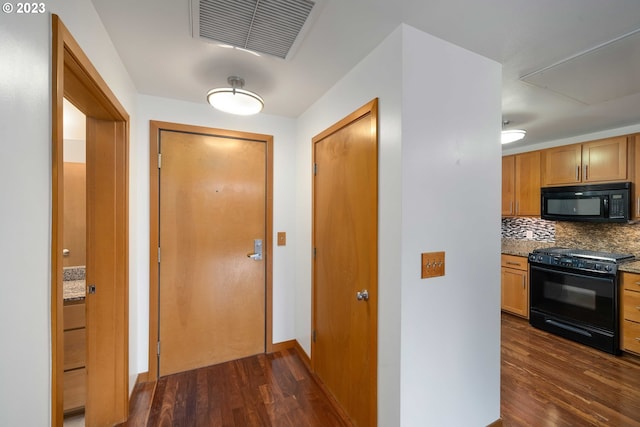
x=587, y=203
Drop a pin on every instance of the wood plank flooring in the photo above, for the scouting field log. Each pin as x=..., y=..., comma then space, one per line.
x=264, y=390
x=546, y=381
x=551, y=381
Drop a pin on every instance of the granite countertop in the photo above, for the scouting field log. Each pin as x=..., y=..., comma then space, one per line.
x=73, y=290
x=630, y=267
x=73, y=285
x=522, y=247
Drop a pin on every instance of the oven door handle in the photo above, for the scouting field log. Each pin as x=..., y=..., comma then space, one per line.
x=568, y=328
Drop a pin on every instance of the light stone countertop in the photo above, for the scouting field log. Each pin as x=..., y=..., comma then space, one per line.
x=74, y=290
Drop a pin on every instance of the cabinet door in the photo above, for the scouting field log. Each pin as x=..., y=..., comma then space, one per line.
x=508, y=185
x=605, y=160
x=527, y=173
x=515, y=291
x=562, y=165
x=631, y=336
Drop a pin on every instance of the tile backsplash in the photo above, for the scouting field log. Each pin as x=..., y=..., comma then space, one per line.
x=617, y=238
x=535, y=229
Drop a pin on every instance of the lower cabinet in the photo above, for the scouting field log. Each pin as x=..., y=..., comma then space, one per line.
x=75, y=344
x=630, y=312
x=515, y=285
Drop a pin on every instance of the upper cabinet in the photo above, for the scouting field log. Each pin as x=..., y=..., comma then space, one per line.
x=596, y=161
x=521, y=184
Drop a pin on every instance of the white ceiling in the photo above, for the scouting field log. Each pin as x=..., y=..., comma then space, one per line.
x=154, y=40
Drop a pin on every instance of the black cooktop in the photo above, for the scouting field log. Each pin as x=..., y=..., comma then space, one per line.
x=582, y=253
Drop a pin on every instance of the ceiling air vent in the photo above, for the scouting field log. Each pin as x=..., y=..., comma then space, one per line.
x=271, y=27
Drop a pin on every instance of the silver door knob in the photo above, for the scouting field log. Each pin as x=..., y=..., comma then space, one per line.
x=362, y=295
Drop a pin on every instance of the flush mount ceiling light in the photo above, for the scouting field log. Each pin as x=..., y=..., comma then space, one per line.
x=234, y=99
x=512, y=135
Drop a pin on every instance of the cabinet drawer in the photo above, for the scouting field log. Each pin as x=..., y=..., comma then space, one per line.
x=74, y=389
x=630, y=281
x=74, y=316
x=631, y=337
x=74, y=349
x=631, y=305
x=513, y=261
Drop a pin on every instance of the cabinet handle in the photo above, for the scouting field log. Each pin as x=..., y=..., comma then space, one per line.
x=577, y=173
x=517, y=210
x=513, y=263
x=586, y=172
x=511, y=207
x=638, y=206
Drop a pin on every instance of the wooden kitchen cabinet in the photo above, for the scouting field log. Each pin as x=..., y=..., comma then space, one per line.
x=630, y=312
x=74, y=356
x=604, y=160
x=521, y=184
x=514, y=277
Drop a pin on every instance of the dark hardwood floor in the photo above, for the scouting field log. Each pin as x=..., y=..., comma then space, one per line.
x=265, y=390
x=550, y=381
x=547, y=381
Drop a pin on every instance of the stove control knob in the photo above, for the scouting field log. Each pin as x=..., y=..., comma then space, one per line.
x=608, y=268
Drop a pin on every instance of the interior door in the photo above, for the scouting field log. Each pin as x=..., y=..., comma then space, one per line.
x=345, y=236
x=212, y=215
x=107, y=260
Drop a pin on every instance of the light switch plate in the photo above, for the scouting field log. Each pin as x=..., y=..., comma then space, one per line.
x=432, y=264
x=282, y=238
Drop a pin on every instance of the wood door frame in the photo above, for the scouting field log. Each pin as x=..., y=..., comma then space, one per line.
x=370, y=108
x=75, y=77
x=154, y=221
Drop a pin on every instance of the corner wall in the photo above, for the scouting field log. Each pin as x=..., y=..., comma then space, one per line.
x=451, y=174
x=439, y=185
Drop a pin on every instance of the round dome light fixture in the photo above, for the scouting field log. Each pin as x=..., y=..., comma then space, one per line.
x=512, y=135
x=234, y=99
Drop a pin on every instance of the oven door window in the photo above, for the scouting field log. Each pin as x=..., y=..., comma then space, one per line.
x=575, y=297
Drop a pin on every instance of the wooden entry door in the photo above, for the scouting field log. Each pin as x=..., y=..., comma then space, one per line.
x=345, y=238
x=212, y=210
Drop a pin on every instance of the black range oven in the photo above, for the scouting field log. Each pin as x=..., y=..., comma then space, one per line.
x=574, y=293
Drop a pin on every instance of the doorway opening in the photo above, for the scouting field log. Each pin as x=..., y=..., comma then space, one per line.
x=74, y=264
x=105, y=311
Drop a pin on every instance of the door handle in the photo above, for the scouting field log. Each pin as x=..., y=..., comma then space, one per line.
x=257, y=250
x=362, y=295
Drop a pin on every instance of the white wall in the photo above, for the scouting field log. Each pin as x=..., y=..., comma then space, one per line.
x=25, y=174
x=439, y=339
x=450, y=202
x=25, y=185
x=282, y=129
